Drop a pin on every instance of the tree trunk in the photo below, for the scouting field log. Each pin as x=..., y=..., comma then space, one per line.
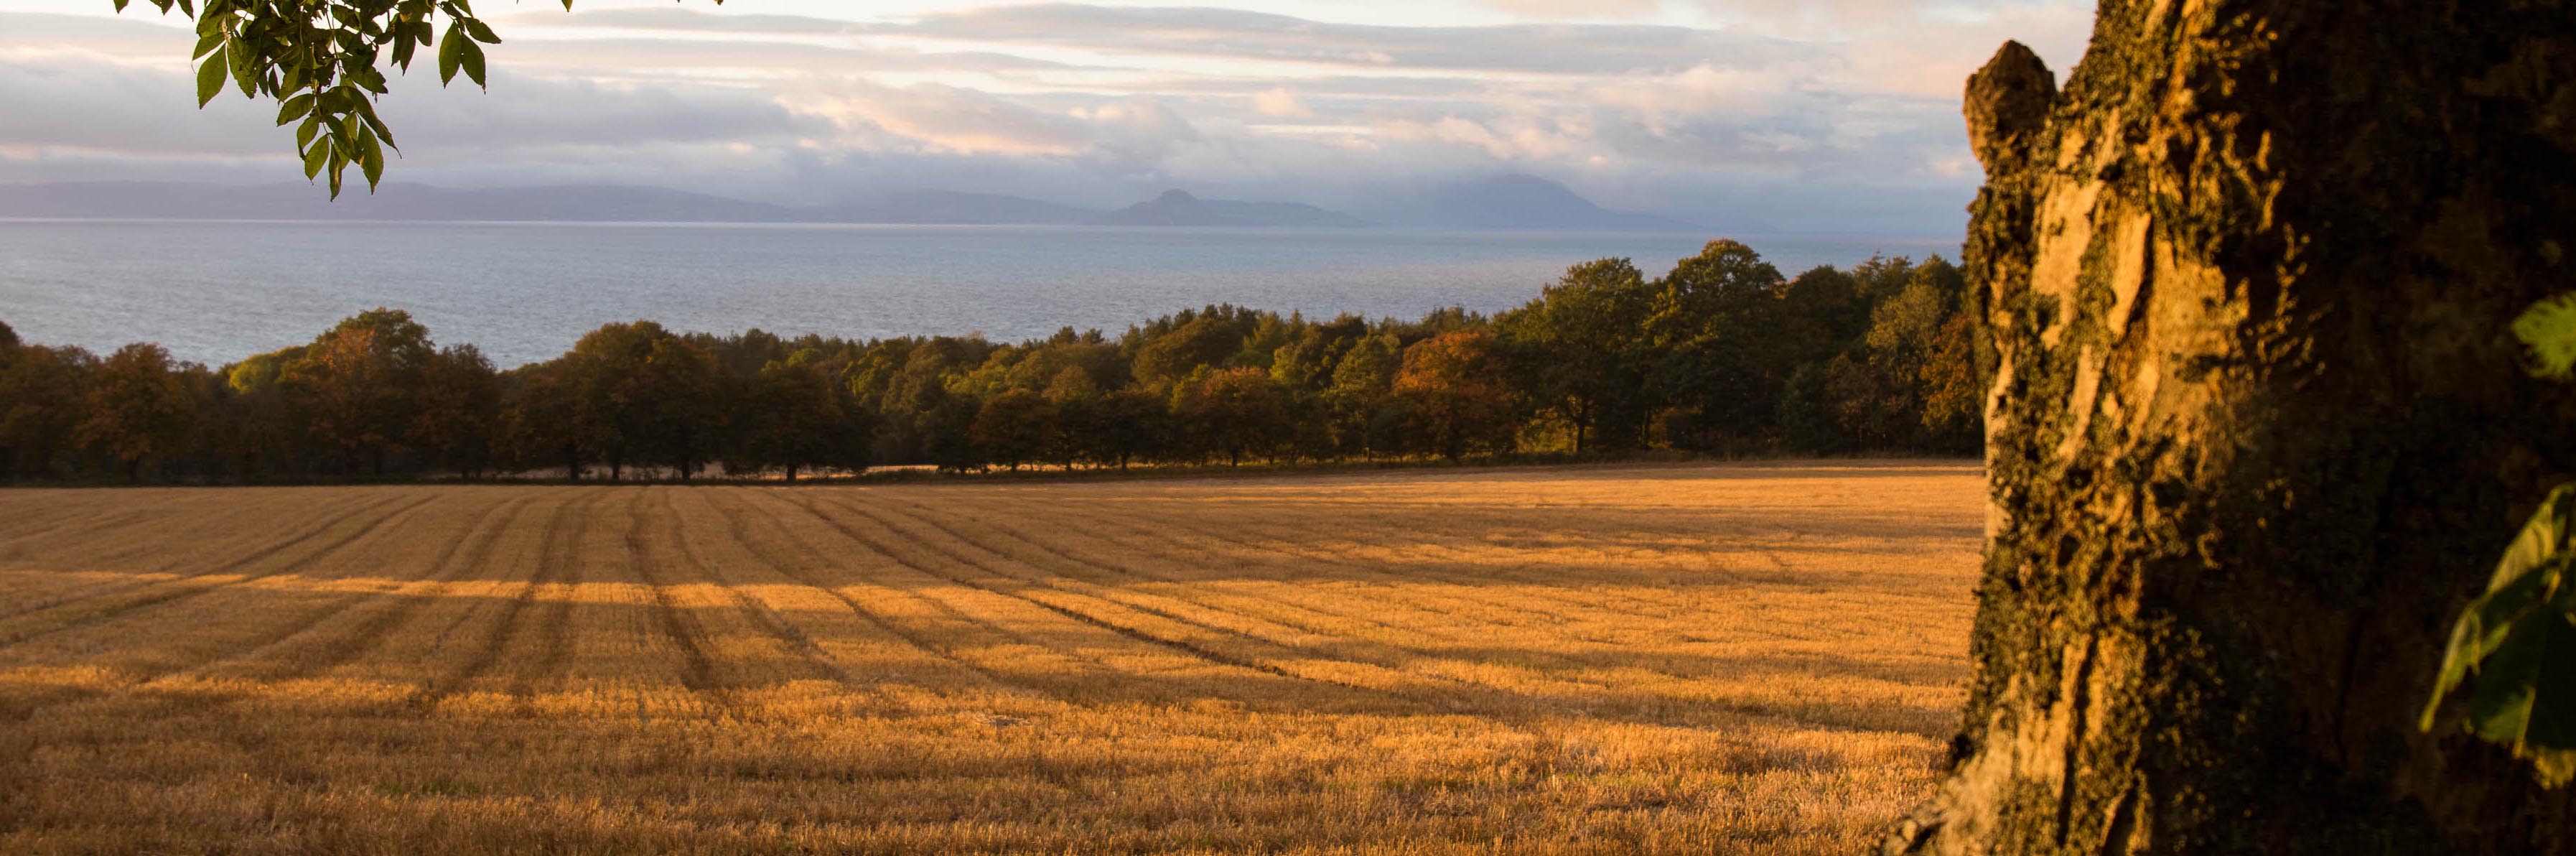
x=2259, y=429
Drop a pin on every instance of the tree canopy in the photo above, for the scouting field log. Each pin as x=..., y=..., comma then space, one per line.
x=1719, y=355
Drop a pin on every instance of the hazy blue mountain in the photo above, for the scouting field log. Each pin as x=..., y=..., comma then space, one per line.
x=1528, y=203
x=1175, y=208
x=950, y=207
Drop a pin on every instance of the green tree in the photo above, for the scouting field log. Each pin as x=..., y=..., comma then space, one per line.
x=682, y=392
x=1014, y=428
x=792, y=419
x=1131, y=424
x=1580, y=348
x=1208, y=341
x=1363, y=386
x=1822, y=312
x=1231, y=412
x=1957, y=370
x=1077, y=401
x=1714, y=331
x=136, y=409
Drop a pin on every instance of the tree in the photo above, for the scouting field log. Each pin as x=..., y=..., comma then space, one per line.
x=1232, y=412
x=1014, y=428
x=1579, y=346
x=645, y=396
x=1131, y=424
x=680, y=392
x=2258, y=431
x=1713, y=332
x=1363, y=385
x=353, y=386
x=1078, y=417
x=457, y=409
x=1204, y=342
x=1957, y=369
x=323, y=65
x=136, y=409
x=1454, y=386
x=541, y=424
x=791, y=419
x=40, y=403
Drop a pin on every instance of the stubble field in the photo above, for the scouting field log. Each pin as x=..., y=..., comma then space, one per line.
x=1660, y=659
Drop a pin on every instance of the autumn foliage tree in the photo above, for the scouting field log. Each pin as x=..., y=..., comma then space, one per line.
x=1455, y=386
x=137, y=409
x=353, y=386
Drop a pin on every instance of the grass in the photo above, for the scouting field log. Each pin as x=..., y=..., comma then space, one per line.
x=1705, y=658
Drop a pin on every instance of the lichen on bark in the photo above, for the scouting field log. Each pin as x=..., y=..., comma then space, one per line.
x=2258, y=428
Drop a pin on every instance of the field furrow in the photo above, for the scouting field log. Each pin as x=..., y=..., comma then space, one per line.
x=177, y=562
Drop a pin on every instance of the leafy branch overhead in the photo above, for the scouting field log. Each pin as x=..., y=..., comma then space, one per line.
x=2519, y=638
x=322, y=62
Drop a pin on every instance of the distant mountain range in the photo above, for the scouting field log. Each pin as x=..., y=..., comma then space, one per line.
x=1521, y=203
x=1175, y=208
x=952, y=208
x=1505, y=202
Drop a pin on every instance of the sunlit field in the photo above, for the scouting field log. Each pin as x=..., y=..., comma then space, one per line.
x=1665, y=659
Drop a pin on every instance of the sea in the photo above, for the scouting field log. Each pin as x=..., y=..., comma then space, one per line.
x=215, y=292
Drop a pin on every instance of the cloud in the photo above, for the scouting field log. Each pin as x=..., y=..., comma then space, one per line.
x=1235, y=34
x=933, y=117
x=1100, y=106
x=1281, y=103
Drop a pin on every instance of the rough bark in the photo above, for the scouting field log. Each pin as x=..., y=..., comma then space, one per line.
x=2259, y=429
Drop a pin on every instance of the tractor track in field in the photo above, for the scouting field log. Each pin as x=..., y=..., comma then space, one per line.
x=186, y=592
x=1015, y=592
x=881, y=623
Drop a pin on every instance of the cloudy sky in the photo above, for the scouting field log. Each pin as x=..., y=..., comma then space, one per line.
x=1824, y=116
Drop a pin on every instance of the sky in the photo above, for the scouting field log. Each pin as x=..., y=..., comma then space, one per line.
x=1823, y=116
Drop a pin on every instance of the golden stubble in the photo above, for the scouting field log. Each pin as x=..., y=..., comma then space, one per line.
x=1758, y=658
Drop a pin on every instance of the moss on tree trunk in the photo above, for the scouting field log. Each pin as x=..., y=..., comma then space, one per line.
x=2259, y=429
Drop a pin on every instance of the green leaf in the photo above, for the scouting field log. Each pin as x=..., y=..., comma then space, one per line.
x=451, y=53
x=473, y=60
x=207, y=44
x=314, y=156
x=243, y=70
x=371, y=160
x=481, y=33
x=2515, y=647
x=210, y=79
x=368, y=112
x=2549, y=329
x=294, y=108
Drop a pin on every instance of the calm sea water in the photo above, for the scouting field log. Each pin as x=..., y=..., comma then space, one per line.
x=215, y=292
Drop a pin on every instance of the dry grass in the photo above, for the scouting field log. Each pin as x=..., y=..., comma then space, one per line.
x=1669, y=659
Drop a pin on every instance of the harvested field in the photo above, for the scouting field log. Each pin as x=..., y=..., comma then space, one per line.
x=1661, y=659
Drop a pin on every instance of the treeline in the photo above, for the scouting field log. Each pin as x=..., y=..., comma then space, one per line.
x=1722, y=354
